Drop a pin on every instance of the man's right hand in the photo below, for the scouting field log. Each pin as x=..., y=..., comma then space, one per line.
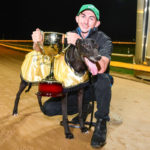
x=37, y=37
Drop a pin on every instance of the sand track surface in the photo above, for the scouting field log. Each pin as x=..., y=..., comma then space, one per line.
x=128, y=129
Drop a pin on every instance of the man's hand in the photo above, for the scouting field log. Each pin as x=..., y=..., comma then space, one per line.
x=37, y=37
x=103, y=63
x=72, y=38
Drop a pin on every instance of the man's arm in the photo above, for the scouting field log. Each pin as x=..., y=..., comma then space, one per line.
x=105, y=51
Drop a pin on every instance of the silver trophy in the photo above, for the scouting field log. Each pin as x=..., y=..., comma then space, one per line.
x=53, y=45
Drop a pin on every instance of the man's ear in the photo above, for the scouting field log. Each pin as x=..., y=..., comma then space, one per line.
x=77, y=18
x=97, y=23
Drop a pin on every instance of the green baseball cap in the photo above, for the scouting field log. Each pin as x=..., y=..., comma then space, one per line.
x=90, y=7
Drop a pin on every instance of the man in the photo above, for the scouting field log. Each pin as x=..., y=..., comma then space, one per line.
x=88, y=23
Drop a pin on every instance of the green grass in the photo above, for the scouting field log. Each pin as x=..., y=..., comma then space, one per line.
x=122, y=59
x=123, y=49
x=122, y=70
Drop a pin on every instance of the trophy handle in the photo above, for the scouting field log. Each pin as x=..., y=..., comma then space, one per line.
x=63, y=41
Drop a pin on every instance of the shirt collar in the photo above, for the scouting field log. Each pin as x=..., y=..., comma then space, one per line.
x=90, y=31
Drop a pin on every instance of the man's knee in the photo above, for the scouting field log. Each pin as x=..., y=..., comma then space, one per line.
x=52, y=107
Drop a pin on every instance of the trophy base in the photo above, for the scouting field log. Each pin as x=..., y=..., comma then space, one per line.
x=50, y=88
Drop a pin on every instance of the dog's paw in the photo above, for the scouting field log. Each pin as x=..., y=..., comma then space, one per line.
x=15, y=114
x=69, y=136
x=84, y=130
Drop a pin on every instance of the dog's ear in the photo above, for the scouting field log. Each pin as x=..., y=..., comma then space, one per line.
x=95, y=45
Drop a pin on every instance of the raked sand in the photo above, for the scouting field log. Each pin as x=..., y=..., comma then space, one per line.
x=128, y=129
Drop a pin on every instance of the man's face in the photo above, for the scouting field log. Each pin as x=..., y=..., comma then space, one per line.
x=87, y=20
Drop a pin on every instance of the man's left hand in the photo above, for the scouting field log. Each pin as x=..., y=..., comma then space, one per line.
x=72, y=37
x=104, y=61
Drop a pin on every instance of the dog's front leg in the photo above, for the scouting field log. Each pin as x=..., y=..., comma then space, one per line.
x=68, y=133
x=23, y=85
x=80, y=103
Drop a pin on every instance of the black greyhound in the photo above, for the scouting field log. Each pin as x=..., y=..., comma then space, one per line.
x=74, y=57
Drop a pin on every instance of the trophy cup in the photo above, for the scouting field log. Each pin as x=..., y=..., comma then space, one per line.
x=53, y=45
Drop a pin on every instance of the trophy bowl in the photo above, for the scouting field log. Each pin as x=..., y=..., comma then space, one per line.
x=53, y=45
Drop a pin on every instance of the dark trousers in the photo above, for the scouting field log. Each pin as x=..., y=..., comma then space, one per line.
x=101, y=85
x=99, y=89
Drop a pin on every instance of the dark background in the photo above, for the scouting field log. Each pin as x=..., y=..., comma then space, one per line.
x=19, y=18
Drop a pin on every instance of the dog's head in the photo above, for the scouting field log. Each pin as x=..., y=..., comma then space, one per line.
x=88, y=48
